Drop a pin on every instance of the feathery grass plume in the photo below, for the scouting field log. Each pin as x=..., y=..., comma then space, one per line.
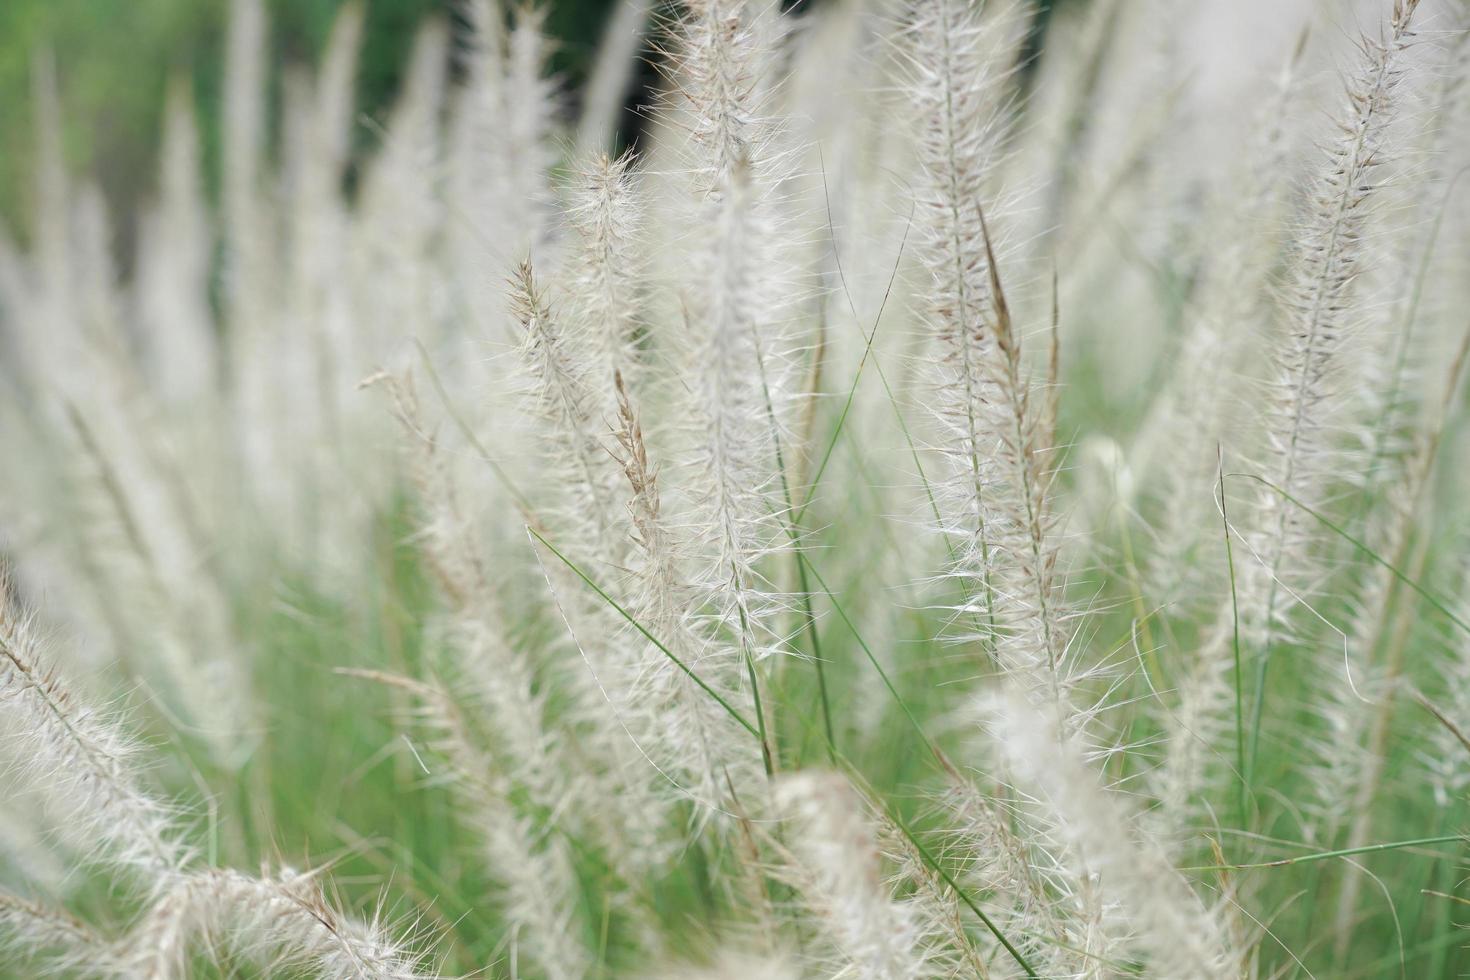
x=563, y=392
x=1321, y=317
x=1168, y=923
x=1198, y=734
x=135, y=534
x=483, y=668
x=527, y=853
x=605, y=271
x=39, y=935
x=1175, y=451
x=594, y=535
x=400, y=213
x=1400, y=423
x=174, y=266
x=1394, y=407
x=723, y=52
x=246, y=273
x=1014, y=867
x=1346, y=760
x=475, y=173
x=739, y=368
x=373, y=275
x=843, y=164
x=1177, y=447
x=1355, y=751
x=531, y=109
x=494, y=685
x=696, y=740
x=937, y=907
x=84, y=768
x=83, y=765
x=739, y=458
x=1020, y=523
x=839, y=871
x=300, y=326
x=580, y=801
x=994, y=492
x=500, y=152
x=317, y=231
x=279, y=923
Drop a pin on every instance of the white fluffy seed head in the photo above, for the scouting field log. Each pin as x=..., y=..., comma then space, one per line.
x=840, y=873
x=607, y=270
x=1323, y=317
x=46, y=938
x=565, y=394
x=82, y=764
x=278, y=923
x=1105, y=845
x=734, y=340
x=993, y=498
x=694, y=743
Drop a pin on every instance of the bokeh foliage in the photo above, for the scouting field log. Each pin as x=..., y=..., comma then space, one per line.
x=114, y=59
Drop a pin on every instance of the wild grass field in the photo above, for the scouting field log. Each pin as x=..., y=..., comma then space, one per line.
x=953, y=499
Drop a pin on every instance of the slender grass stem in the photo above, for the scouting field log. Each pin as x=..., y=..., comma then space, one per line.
x=1327, y=855
x=1337, y=529
x=1243, y=777
x=699, y=681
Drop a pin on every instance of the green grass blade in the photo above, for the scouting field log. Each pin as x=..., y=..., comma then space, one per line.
x=730, y=709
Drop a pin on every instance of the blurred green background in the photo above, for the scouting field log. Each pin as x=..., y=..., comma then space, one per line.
x=114, y=57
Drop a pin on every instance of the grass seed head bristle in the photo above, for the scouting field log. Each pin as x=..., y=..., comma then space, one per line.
x=713, y=472
x=81, y=763
x=840, y=874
